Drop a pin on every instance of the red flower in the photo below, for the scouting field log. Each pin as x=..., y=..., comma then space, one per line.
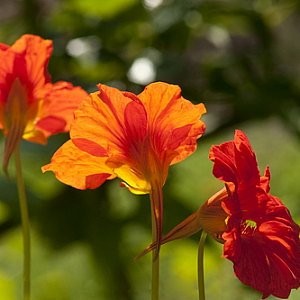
x=257, y=230
x=31, y=107
x=261, y=239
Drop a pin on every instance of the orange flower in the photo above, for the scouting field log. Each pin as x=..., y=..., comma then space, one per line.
x=133, y=137
x=31, y=107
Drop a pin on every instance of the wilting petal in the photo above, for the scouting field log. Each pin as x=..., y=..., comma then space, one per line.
x=78, y=168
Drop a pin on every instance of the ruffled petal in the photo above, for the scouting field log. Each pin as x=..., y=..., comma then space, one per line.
x=269, y=260
x=101, y=119
x=56, y=110
x=175, y=123
x=7, y=58
x=36, y=52
x=261, y=239
x=118, y=124
x=139, y=146
x=235, y=161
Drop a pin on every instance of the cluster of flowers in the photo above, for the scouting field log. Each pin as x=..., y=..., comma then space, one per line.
x=137, y=138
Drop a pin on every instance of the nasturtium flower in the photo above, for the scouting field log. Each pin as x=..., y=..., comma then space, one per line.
x=31, y=107
x=257, y=230
x=133, y=137
x=261, y=239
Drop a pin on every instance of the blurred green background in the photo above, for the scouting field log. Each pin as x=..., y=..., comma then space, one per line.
x=241, y=58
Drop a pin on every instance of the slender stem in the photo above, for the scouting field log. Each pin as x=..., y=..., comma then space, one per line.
x=25, y=224
x=156, y=199
x=155, y=276
x=201, y=289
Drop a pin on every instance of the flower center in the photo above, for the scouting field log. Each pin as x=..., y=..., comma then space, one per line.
x=248, y=227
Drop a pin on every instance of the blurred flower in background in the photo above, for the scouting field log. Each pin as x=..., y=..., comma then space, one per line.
x=31, y=107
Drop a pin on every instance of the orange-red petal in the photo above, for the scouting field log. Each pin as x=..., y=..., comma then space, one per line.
x=141, y=136
x=101, y=119
x=174, y=121
x=118, y=124
x=36, y=52
x=55, y=112
x=49, y=107
x=78, y=168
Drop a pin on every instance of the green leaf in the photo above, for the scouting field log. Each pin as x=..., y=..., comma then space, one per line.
x=103, y=9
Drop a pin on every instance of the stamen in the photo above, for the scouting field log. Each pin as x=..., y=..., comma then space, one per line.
x=248, y=227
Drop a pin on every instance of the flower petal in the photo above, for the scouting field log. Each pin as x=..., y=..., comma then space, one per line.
x=61, y=100
x=56, y=111
x=36, y=52
x=133, y=181
x=7, y=58
x=78, y=168
x=89, y=147
x=175, y=121
x=269, y=260
x=118, y=124
x=101, y=119
x=235, y=161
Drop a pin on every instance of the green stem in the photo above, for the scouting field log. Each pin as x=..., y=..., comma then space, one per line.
x=25, y=224
x=155, y=275
x=156, y=199
x=201, y=289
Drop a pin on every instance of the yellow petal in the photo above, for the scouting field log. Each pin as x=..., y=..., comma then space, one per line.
x=135, y=183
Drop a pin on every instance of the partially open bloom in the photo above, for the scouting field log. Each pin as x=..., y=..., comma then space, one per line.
x=31, y=107
x=133, y=137
x=257, y=230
